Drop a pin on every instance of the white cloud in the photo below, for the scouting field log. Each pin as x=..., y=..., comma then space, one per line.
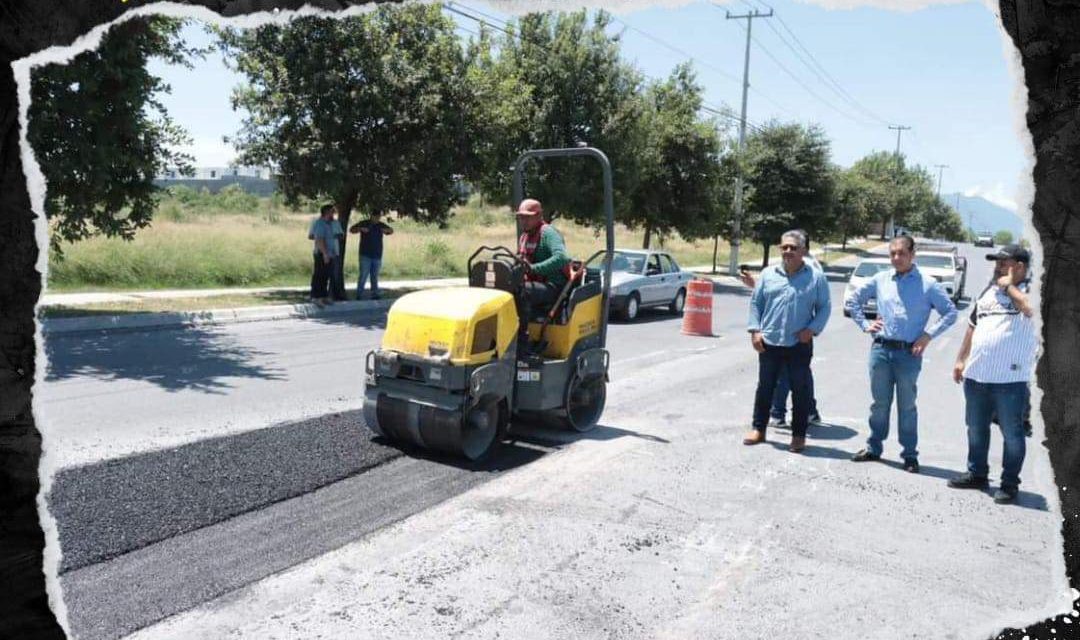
x=995, y=194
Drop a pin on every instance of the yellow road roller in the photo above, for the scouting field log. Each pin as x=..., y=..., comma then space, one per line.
x=459, y=365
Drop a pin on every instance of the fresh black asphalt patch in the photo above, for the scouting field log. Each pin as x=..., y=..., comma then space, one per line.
x=107, y=509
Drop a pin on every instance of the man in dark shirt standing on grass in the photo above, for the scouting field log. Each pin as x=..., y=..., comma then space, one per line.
x=371, y=233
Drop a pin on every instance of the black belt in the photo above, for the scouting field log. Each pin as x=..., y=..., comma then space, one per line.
x=894, y=344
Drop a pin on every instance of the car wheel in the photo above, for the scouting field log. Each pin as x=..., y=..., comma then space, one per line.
x=678, y=303
x=633, y=305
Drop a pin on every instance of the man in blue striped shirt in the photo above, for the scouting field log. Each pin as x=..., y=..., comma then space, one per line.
x=905, y=298
x=790, y=305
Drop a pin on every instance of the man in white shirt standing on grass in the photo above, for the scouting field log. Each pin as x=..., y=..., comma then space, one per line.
x=995, y=364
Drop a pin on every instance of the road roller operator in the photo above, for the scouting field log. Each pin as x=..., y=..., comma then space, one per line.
x=543, y=251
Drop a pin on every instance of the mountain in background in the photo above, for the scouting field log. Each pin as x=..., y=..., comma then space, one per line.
x=980, y=214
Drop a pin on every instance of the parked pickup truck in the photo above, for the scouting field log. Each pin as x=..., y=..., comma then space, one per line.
x=944, y=264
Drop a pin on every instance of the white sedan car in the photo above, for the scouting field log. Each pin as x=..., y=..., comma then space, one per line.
x=644, y=278
x=866, y=269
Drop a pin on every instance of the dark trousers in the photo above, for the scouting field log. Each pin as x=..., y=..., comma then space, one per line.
x=795, y=361
x=336, y=281
x=1008, y=401
x=536, y=298
x=320, y=277
x=783, y=389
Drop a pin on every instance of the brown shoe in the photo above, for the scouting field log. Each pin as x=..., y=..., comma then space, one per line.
x=798, y=443
x=754, y=437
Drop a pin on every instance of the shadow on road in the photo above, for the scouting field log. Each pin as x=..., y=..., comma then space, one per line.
x=828, y=431
x=503, y=456
x=367, y=319
x=558, y=438
x=176, y=359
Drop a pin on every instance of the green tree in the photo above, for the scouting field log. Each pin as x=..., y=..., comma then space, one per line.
x=939, y=220
x=904, y=192
x=790, y=182
x=567, y=86
x=373, y=111
x=1003, y=237
x=679, y=165
x=853, y=202
x=101, y=135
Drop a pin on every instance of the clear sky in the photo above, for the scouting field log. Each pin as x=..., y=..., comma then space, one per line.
x=940, y=70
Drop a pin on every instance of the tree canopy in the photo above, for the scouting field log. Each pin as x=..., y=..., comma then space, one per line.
x=566, y=86
x=790, y=180
x=375, y=110
x=101, y=135
x=679, y=168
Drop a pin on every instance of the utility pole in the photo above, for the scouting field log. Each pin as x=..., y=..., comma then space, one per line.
x=892, y=215
x=941, y=169
x=736, y=237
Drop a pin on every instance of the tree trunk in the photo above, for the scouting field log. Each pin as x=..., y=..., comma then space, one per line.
x=715, y=250
x=648, y=236
x=884, y=228
x=765, y=255
x=344, y=204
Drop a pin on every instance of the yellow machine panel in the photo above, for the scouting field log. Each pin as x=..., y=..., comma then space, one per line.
x=561, y=338
x=468, y=324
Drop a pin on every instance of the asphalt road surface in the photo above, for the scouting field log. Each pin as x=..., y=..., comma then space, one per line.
x=218, y=482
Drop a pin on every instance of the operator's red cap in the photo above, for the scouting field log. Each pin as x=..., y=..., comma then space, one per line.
x=529, y=207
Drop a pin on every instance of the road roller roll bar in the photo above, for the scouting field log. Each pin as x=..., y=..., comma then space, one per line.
x=517, y=193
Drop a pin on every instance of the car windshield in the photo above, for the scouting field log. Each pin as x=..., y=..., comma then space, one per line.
x=867, y=269
x=934, y=261
x=629, y=262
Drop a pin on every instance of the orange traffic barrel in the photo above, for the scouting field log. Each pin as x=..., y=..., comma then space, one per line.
x=697, y=313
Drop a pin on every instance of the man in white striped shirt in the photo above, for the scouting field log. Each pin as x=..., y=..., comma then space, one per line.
x=995, y=364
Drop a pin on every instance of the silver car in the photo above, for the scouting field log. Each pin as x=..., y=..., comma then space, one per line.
x=643, y=278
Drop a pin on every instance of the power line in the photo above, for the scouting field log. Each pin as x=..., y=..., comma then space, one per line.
x=798, y=80
x=806, y=87
x=817, y=68
x=839, y=89
x=501, y=25
x=677, y=50
x=702, y=63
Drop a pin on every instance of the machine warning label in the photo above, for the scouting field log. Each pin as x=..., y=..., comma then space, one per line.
x=436, y=374
x=528, y=376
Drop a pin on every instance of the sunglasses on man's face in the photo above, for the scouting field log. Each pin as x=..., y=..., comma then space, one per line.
x=788, y=247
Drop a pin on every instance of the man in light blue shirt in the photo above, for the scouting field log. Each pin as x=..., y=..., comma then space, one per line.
x=905, y=298
x=325, y=252
x=790, y=305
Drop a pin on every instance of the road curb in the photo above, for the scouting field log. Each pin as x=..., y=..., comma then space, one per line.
x=140, y=321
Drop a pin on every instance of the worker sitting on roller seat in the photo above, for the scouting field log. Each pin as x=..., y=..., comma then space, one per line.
x=541, y=248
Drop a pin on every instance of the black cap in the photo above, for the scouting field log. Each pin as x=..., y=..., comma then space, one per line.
x=1011, y=251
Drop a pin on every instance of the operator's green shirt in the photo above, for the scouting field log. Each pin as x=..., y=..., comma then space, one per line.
x=550, y=256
